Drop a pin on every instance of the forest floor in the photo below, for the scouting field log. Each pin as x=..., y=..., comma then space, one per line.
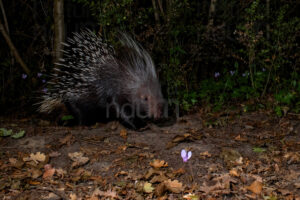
x=235, y=155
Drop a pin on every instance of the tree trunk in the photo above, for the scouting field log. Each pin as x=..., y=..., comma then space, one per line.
x=212, y=10
x=161, y=7
x=156, y=14
x=268, y=19
x=59, y=29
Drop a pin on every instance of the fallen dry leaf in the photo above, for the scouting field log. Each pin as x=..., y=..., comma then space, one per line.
x=150, y=172
x=191, y=196
x=49, y=172
x=107, y=194
x=159, y=163
x=60, y=172
x=123, y=133
x=35, y=173
x=234, y=172
x=292, y=157
x=179, y=138
x=222, y=183
x=37, y=157
x=174, y=186
x=205, y=154
x=31, y=182
x=239, y=138
x=67, y=140
x=297, y=185
x=73, y=196
x=51, y=195
x=160, y=189
x=179, y=171
x=159, y=179
x=16, y=163
x=255, y=187
x=54, y=154
x=78, y=159
x=207, y=189
x=148, y=187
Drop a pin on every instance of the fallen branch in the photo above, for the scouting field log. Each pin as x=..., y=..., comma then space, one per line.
x=13, y=49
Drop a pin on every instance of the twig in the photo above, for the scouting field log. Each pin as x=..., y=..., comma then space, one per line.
x=193, y=177
x=4, y=16
x=267, y=83
x=13, y=49
x=7, y=27
x=294, y=114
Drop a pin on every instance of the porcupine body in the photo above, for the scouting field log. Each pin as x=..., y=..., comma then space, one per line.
x=94, y=81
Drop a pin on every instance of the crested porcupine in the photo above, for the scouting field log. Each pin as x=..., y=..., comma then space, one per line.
x=93, y=79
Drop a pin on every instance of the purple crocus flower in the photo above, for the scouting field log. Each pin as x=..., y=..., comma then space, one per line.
x=44, y=81
x=217, y=74
x=45, y=90
x=185, y=155
x=231, y=72
x=39, y=74
x=24, y=76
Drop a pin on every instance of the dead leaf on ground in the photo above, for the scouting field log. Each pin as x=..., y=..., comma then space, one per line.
x=37, y=157
x=255, y=187
x=35, y=173
x=297, y=185
x=222, y=184
x=174, y=186
x=191, y=196
x=240, y=138
x=235, y=172
x=60, y=172
x=73, y=196
x=150, y=172
x=54, y=154
x=292, y=157
x=158, y=179
x=68, y=139
x=108, y=194
x=148, y=187
x=205, y=154
x=179, y=138
x=231, y=156
x=158, y=163
x=179, y=171
x=49, y=172
x=160, y=189
x=16, y=163
x=123, y=133
x=78, y=159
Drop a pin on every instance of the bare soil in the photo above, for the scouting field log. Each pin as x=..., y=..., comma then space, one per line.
x=235, y=155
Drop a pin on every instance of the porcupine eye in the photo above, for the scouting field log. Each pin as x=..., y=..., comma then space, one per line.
x=144, y=98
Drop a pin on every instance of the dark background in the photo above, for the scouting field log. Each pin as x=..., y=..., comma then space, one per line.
x=248, y=53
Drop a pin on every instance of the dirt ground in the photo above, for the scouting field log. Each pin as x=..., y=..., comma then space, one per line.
x=235, y=155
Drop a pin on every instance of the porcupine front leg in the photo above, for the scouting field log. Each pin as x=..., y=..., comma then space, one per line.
x=75, y=110
x=127, y=121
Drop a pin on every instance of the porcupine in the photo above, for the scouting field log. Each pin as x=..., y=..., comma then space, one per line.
x=93, y=78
